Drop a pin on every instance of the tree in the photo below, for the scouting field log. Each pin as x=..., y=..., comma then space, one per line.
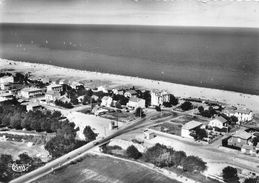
x=15, y=121
x=167, y=104
x=251, y=180
x=139, y=112
x=5, y=172
x=59, y=146
x=233, y=120
x=199, y=134
x=118, y=105
x=152, y=154
x=158, y=108
x=132, y=152
x=173, y=100
x=194, y=164
x=164, y=160
x=201, y=109
x=179, y=157
x=229, y=174
x=255, y=140
x=56, y=114
x=89, y=134
x=147, y=96
x=186, y=106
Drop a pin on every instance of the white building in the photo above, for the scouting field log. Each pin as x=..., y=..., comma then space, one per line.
x=159, y=97
x=135, y=102
x=55, y=87
x=6, y=96
x=106, y=101
x=218, y=122
x=32, y=92
x=75, y=85
x=149, y=135
x=33, y=107
x=103, y=89
x=6, y=79
x=5, y=86
x=52, y=96
x=243, y=115
x=118, y=91
x=187, y=128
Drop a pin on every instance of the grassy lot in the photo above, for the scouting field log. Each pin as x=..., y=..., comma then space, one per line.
x=121, y=116
x=96, y=169
x=16, y=148
x=186, y=118
x=164, y=114
x=174, y=129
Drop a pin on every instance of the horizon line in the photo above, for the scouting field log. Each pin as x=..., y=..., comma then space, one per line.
x=140, y=25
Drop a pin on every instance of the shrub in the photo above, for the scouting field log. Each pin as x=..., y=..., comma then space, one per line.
x=194, y=164
x=229, y=174
x=132, y=152
x=186, y=106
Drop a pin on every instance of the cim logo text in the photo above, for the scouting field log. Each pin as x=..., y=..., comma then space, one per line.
x=19, y=167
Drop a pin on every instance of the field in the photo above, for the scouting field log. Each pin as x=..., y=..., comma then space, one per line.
x=96, y=169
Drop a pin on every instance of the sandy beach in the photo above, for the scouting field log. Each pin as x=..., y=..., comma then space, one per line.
x=54, y=72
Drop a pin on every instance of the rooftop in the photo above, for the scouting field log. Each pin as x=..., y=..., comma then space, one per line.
x=33, y=104
x=54, y=85
x=52, y=93
x=159, y=92
x=248, y=147
x=221, y=119
x=31, y=89
x=191, y=125
x=6, y=77
x=135, y=99
x=244, y=111
x=242, y=134
x=106, y=98
x=131, y=91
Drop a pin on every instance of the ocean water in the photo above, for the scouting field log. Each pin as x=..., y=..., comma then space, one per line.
x=222, y=58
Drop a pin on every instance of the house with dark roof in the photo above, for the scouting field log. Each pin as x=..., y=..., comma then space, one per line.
x=240, y=138
x=218, y=122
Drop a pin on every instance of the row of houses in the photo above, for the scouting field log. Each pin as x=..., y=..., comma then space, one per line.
x=134, y=102
x=243, y=115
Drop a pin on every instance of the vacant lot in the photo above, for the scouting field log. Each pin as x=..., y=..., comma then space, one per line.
x=16, y=148
x=96, y=169
x=174, y=129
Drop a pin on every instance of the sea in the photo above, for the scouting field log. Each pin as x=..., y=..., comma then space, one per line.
x=221, y=58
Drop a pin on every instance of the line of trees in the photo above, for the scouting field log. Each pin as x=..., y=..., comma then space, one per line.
x=67, y=105
x=65, y=140
x=15, y=116
x=163, y=156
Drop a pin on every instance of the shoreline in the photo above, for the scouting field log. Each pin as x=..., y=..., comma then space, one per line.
x=179, y=90
x=195, y=26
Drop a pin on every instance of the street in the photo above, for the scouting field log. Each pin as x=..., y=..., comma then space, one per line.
x=76, y=154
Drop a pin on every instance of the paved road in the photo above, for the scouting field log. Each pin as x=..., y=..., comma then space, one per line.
x=76, y=154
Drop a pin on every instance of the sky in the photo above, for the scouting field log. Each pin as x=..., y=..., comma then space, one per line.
x=220, y=13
